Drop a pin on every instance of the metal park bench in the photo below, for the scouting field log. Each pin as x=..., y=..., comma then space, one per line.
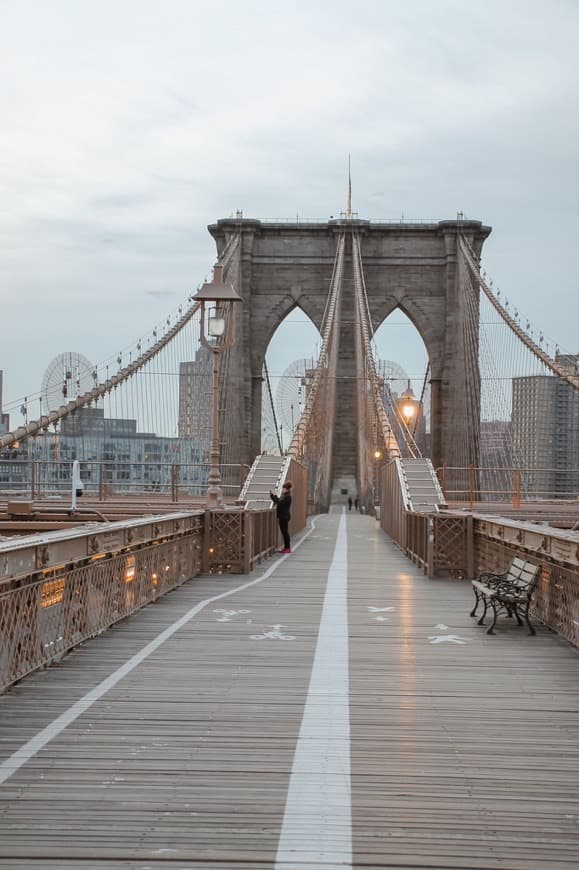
x=511, y=591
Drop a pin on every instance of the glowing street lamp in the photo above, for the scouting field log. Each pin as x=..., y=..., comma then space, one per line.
x=377, y=458
x=409, y=407
x=217, y=336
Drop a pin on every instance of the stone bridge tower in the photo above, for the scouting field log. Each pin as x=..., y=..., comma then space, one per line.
x=410, y=266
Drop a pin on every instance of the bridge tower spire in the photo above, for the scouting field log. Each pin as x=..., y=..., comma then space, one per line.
x=349, y=203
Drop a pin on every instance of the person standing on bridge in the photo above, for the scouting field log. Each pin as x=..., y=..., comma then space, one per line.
x=283, y=505
x=349, y=502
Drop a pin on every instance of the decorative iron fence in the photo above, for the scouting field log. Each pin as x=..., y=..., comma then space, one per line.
x=418, y=530
x=61, y=588
x=437, y=543
x=394, y=504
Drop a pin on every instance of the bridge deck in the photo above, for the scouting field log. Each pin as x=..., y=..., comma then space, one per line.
x=230, y=742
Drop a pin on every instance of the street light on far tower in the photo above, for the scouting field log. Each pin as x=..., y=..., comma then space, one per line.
x=217, y=300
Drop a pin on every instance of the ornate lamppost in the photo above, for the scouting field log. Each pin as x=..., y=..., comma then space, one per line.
x=409, y=407
x=216, y=336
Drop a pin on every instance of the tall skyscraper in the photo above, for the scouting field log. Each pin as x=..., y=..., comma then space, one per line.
x=546, y=432
x=195, y=397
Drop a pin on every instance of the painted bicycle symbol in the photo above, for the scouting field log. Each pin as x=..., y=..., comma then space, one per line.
x=274, y=634
x=227, y=614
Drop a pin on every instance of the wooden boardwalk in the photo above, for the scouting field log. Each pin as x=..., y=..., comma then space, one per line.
x=404, y=737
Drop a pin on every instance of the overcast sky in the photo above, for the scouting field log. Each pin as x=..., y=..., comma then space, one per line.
x=128, y=126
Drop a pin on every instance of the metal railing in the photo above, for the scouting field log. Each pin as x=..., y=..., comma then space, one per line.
x=61, y=588
x=514, y=485
x=333, y=218
x=103, y=480
x=394, y=502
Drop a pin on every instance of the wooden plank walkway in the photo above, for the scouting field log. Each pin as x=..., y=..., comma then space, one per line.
x=404, y=738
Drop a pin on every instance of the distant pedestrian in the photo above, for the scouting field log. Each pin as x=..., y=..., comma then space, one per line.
x=283, y=504
x=349, y=502
x=357, y=503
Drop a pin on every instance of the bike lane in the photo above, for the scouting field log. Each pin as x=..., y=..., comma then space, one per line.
x=188, y=756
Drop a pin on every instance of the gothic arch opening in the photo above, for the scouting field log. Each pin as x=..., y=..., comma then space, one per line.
x=293, y=348
x=402, y=361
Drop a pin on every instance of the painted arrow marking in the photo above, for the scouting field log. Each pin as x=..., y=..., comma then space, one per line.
x=447, y=638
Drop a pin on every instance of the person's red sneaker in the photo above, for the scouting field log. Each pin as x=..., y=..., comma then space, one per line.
x=285, y=550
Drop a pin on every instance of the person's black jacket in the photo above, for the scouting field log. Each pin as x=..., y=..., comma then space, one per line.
x=283, y=504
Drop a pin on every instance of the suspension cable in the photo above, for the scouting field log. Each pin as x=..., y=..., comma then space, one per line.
x=388, y=436
x=472, y=262
x=35, y=427
x=268, y=382
x=299, y=437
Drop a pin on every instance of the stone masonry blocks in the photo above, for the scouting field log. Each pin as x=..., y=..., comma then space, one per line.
x=408, y=266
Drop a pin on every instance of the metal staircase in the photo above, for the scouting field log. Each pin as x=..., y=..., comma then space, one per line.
x=266, y=474
x=423, y=490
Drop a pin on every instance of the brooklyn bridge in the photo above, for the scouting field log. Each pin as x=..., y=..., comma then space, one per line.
x=178, y=693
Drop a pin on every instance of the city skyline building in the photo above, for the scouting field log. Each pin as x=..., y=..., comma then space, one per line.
x=112, y=453
x=545, y=427
x=4, y=418
x=195, y=397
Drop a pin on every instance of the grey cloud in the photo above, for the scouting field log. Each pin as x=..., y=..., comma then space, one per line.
x=444, y=106
x=121, y=201
x=160, y=293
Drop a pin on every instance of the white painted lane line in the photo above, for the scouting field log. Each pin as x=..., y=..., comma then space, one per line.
x=317, y=823
x=36, y=743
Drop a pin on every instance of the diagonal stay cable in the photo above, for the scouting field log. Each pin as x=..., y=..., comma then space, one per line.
x=471, y=260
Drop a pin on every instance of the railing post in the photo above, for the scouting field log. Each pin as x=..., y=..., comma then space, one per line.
x=247, y=538
x=33, y=481
x=258, y=545
x=206, y=544
x=516, y=488
x=101, y=482
x=175, y=483
x=430, y=548
x=470, y=568
x=471, y=486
